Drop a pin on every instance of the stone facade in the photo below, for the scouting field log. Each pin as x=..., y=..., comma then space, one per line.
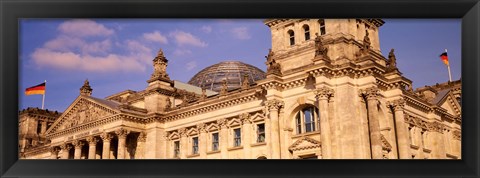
x=332, y=95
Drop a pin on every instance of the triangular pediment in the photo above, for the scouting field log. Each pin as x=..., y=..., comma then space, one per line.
x=450, y=103
x=304, y=143
x=83, y=110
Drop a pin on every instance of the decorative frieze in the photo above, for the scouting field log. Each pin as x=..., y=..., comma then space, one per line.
x=435, y=127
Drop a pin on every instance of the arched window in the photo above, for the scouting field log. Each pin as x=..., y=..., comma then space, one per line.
x=292, y=37
x=322, y=26
x=306, y=120
x=306, y=29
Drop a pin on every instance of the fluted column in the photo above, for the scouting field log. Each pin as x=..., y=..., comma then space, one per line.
x=222, y=125
x=65, y=150
x=247, y=134
x=106, y=137
x=403, y=142
x=92, y=146
x=122, y=137
x=371, y=94
x=54, y=152
x=202, y=147
x=78, y=148
x=140, y=153
x=273, y=106
x=323, y=95
x=183, y=143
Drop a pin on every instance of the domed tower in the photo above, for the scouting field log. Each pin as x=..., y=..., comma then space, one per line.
x=212, y=77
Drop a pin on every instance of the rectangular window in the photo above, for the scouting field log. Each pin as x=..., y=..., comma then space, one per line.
x=214, y=141
x=195, y=145
x=309, y=122
x=176, y=149
x=260, y=133
x=237, y=139
x=322, y=26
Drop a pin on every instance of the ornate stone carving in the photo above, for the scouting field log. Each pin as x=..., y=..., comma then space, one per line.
x=397, y=105
x=204, y=94
x=392, y=61
x=224, y=89
x=365, y=48
x=457, y=135
x=182, y=132
x=272, y=66
x=66, y=147
x=168, y=104
x=122, y=133
x=435, y=127
x=323, y=93
x=222, y=123
x=160, y=68
x=184, y=101
x=320, y=49
x=54, y=150
x=245, y=118
x=142, y=137
x=86, y=89
x=92, y=140
x=245, y=82
x=202, y=127
x=78, y=144
x=371, y=93
x=106, y=137
x=83, y=113
x=274, y=104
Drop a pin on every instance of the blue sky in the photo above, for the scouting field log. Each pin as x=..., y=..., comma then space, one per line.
x=116, y=55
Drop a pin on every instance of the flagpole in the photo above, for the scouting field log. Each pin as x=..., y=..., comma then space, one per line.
x=43, y=98
x=449, y=73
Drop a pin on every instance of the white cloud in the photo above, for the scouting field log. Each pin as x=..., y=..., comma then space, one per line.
x=191, y=65
x=155, y=36
x=181, y=52
x=83, y=28
x=183, y=38
x=206, y=29
x=241, y=33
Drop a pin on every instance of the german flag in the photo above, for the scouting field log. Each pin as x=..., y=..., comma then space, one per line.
x=444, y=58
x=36, y=90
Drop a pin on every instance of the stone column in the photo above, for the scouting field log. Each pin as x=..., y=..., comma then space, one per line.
x=140, y=152
x=403, y=142
x=371, y=94
x=92, y=146
x=323, y=95
x=247, y=135
x=223, y=140
x=65, y=150
x=43, y=128
x=122, y=137
x=183, y=143
x=106, y=137
x=78, y=148
x=54, y=152
x=202, y=145
x=273, y=107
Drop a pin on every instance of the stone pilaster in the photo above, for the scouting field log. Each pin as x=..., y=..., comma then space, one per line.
x=183, y=143
x=222, y=125
x=142, y=138
x=273, y=107
x=401, y=129
x=437, y=140
x=78, y=148
x=106, y=137
x=54, y=152
x=202, y=147
x=323, y=95
x=371, y=95
x=122, y=137
x=65, y=150
x=92, y=146
x=247, y=135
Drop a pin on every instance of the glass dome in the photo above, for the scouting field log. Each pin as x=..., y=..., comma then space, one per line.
x=211, y=77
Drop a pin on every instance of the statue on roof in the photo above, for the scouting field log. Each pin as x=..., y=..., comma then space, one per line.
x=224, y=88
x=392, y=61
x=86, y=89
x=160, y=67
x=168, y=104
x=245, y=82
x=272, y=66
x=320, y=49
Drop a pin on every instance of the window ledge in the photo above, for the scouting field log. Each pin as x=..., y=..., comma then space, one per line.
x=258, y=144
x=235, y=148
x=193, y=155
x=414, y=147
x=213, y=152
x=306, y=134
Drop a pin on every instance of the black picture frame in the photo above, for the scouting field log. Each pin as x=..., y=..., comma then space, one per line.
x=11, y=11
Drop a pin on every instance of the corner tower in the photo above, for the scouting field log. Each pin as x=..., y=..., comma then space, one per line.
x=160, y=87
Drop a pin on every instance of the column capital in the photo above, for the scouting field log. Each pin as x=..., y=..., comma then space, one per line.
x=78, y=144
x=435, y=127
x=142, y=137
x=274, y=104
x=122, y=133
x=54, y=150
x=397, y=105
x=222, y=123
x=245, y=118
x=202, y=127
x=66, y=146
x=182, y=132
x=106, y=137
x=323, y=93
x=371, y=93
x=92, y=140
